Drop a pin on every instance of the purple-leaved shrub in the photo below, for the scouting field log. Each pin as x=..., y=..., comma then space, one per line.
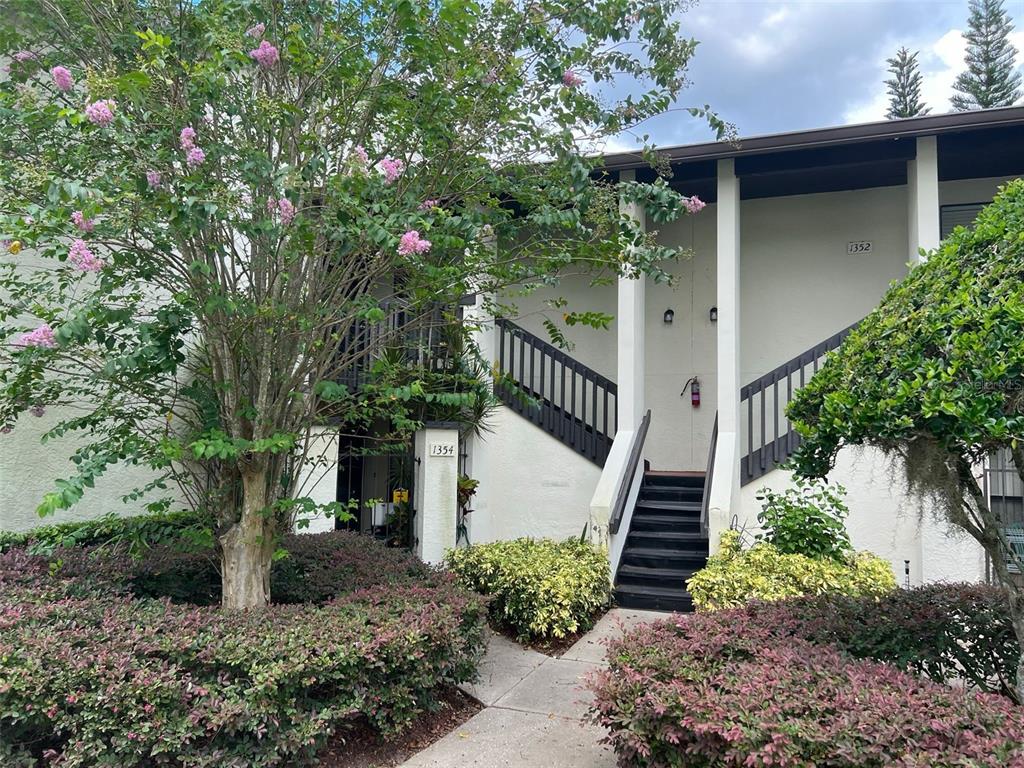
x=731, y=689
x=91, y=674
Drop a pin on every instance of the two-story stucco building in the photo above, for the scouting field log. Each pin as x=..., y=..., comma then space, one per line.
x=802, y=234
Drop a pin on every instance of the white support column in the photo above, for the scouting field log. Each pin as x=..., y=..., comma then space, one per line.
x=435, y=492
x=725, y=485
x=630, y=337
x=923, y=197
x=318, y=477
x=630, y=402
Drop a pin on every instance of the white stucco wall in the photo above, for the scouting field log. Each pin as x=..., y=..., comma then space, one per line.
x=970, y=190
x=28, y=470
x=885, y=520
x=530, y=483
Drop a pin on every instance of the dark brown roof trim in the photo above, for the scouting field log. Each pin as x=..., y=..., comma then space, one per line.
x=929, y=125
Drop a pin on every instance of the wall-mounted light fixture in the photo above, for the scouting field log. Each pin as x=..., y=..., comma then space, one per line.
x=669, y=316
x=713, y=315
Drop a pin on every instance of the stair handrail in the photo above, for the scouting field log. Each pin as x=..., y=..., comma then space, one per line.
x=636, y=448
x=709, y=477
x=558, y=393
x=755, y=463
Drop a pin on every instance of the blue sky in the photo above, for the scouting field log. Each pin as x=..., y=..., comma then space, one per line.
x=781, y=65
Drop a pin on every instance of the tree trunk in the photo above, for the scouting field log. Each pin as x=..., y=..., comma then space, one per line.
x=246, y=550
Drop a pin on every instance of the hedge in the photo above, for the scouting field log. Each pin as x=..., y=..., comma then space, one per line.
x=539, y=588
x=91, y=675
x=948, y=632
x=716, y=689
x=312, y=569
x=132, y=532
x=735, y=576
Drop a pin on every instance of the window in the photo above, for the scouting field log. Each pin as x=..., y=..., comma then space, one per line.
x=952, y=216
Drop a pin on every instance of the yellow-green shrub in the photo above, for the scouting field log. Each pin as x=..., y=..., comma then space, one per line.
x=736, y=576
x=539, y=588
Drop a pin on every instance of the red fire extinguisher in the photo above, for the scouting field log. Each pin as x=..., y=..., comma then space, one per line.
x=694, y=384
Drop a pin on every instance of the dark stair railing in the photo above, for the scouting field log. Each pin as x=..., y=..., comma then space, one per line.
x=636, y=450
x=709, y=478
x=559, y=394
x=769, y=438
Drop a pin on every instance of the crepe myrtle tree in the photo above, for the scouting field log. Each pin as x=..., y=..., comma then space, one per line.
x=199, y=201
x=934, y=377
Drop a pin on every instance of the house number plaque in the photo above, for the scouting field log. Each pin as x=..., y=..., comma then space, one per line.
x=442, y=449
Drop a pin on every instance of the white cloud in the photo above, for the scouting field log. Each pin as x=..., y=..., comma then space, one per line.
x=940, y=61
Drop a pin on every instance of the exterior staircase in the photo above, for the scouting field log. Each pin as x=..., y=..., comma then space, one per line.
x=665, y=545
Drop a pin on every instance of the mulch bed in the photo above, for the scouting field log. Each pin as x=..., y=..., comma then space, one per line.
x=552, y=646
x=359, y=746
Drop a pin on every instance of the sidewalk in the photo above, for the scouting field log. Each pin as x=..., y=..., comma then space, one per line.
x=535, y=707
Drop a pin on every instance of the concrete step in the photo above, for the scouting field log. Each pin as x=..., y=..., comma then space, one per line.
x=654, y=598
x=692, y=507
x=687, y=541
x=661, y=493
x=662, y=557
x=649, y=521
x=656, y=577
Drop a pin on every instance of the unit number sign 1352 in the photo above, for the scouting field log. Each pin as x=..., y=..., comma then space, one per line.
x=859, y=246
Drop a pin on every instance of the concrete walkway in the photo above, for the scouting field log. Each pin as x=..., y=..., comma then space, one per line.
x=535, y=707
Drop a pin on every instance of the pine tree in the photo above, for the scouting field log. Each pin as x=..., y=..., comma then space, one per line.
x=904, y=86
x=991, y=78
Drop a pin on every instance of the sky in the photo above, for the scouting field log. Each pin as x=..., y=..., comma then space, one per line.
x=781, y=65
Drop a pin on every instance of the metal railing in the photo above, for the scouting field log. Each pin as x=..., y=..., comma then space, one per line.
x=709, y=477
x=1004, y=492
x=559, y=394
x=419, y=334
x=769, y=438
x=636, y=449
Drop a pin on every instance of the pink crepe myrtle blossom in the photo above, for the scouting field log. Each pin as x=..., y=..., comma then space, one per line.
x=491, y=77
x=62, y=78
x=6, y=429
x=428, y=205
x=571, y=80
x=38, y=411
x=256, y=30
x=187, y=137
x=360, y=156
x=411, y=243
x=41, y=337
x=693, y=204
x=283, y=208
x=101, y=112
x=287, y=210
x=82, y=258
x=195, y=156
x=392, y=168
x=266, y=55
x=84, y=224
x=154, y=178
x=22, y=56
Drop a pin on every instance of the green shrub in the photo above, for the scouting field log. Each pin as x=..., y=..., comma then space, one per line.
x=806, y=520
x=735, y=576
x=92, y=676
x=539, y=588
x=130, y=533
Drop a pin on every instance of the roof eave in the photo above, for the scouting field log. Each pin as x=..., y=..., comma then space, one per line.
x=929, y=125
